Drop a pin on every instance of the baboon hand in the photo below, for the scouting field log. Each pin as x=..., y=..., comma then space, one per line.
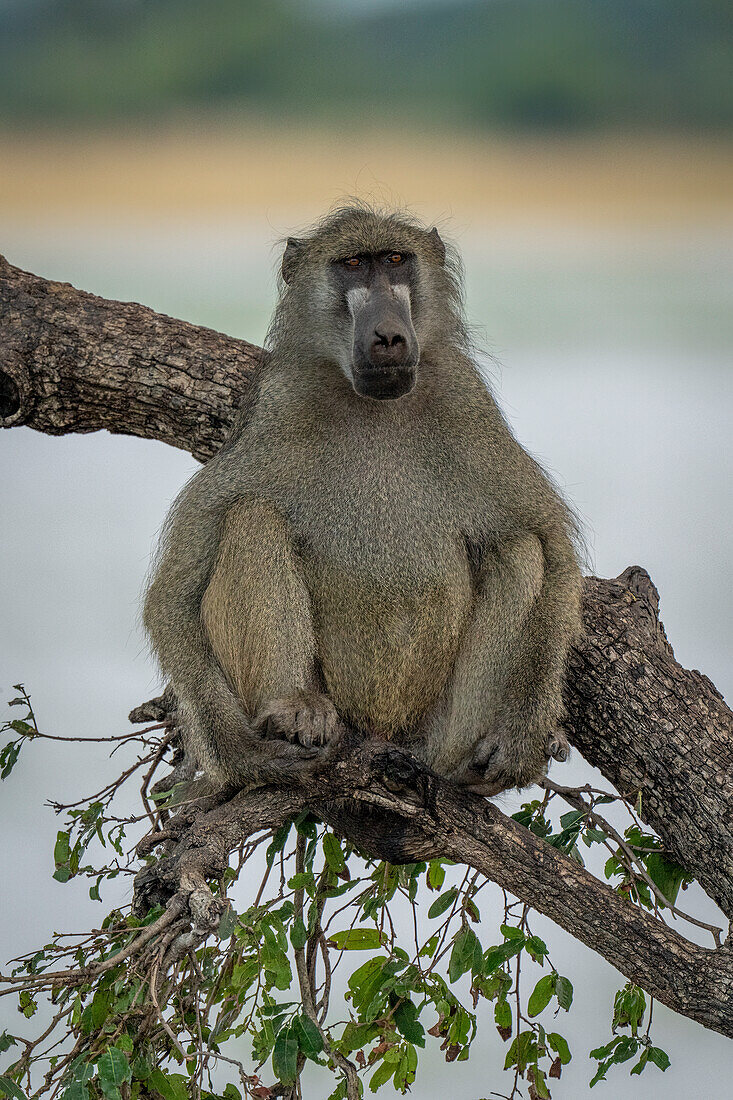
x=304, y=718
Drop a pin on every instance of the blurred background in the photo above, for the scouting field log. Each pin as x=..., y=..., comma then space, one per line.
x=581, y=155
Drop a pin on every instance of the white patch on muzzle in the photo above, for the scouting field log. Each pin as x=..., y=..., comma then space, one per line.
x=357, y=298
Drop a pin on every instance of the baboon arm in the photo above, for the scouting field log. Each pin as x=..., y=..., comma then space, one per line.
x=210, y=716
x=505, y=690
x=229, y=619
x=256, y=610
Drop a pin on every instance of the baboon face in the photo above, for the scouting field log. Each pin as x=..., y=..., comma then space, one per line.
x=359, y=285
x=377, y=289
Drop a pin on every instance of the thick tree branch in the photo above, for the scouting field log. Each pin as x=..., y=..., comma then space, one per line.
x=655, y=728
x=72, y=362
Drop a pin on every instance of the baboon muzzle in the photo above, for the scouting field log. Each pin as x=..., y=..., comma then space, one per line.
x=386, y=351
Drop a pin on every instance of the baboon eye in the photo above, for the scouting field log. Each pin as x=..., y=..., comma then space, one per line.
x=352, y=261
x=395, y=258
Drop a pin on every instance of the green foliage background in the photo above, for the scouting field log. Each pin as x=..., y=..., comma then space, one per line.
x=513, y=64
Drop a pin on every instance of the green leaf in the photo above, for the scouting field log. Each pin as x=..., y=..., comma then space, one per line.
x=560, y=1046
x=141, y=1068
x=503, y=1014
x=443, y=902
x=537, y=948
x=626, y=1049
x=113, y=1069
x=628, y=1007
x=366, y=982
x=466, y=953
x=522, y=1051
x=62, y=849
x=639, y=1067
x=9, y=1088
x=356, y=939
x=27, y=1004
x=537, y=1076
x=603, y=1052
x=228, y=923
x=285, y=1057
x=511, y=932
x=658, y=1056
x=77, y=1090
x=97, y=1012
x=436, y=874
x=356, y=1036
x=429, y=947
x=564, y=992
x=406, y=1069
x=301, y=881
x=244, y=974
x=277, y=843
x=541, y=994
x=332, y=852
x=171, y=1086
x=309, y=1037
x=9, y=758
x=276, y=1009
x=497, y=956
x=385, y=1069
x=298, y=934
x=667, y=875
x=6, y=1041
x=407, y=1023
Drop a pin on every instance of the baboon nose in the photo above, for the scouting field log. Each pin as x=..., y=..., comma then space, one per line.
x=389, y=348
x=388, y=339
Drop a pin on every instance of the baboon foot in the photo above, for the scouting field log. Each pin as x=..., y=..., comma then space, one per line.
x=305, y=718
x=558, y=746
x=492, y=768
x=487, y=771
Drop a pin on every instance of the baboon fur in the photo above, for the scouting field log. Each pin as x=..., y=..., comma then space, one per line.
x=403, y=565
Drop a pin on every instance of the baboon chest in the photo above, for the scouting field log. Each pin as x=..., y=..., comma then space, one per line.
x=383, y=558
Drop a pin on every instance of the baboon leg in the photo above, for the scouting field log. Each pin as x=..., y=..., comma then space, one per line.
x=495, y=724
x=257, y=616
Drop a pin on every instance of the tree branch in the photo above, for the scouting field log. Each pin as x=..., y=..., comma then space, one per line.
x=435, y=818
x=72, y=362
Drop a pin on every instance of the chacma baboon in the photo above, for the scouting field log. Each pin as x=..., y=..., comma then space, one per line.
x=371, y=543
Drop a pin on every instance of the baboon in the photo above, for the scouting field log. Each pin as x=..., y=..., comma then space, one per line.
x=371, y=544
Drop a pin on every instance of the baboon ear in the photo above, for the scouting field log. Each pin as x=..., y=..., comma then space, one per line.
x=291, y=255
x=437, y=244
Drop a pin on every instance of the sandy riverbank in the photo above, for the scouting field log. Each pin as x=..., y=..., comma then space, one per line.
x=231, y=168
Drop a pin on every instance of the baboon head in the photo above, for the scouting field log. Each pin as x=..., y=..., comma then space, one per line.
x=364, y=287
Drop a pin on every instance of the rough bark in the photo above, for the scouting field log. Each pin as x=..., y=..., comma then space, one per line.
x=654, y=727
x=71, y=362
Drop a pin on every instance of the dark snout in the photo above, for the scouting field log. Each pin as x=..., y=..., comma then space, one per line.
x=386, y=351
